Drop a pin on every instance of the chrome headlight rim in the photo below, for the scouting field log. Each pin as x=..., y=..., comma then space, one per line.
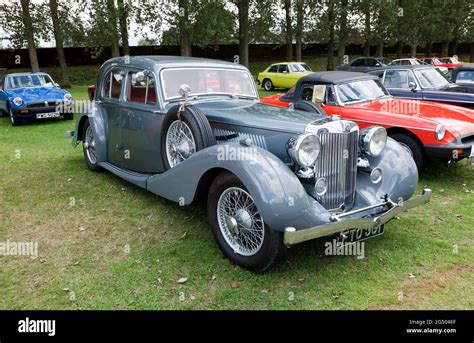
x=296, y=145
x=369, y=135
x=18, y=101
x=440, y=132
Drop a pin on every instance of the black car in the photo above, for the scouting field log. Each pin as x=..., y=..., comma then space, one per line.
x=364, y=64
x=463, y=75
x=424, y=83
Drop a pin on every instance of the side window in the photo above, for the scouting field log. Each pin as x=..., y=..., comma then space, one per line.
x=112, y=84
x=358, y=63
x=406, y=62
x=398, y=79
x=141, y=88
x=273, y=69
x=372, y=62
x=283, y=68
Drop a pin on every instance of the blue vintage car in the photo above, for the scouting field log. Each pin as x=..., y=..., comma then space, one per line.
x=463, y=75
x=188, y=129
x=33, y=96
x=421, y=82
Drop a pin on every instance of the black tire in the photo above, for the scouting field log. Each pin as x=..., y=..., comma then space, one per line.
x=196, y=122
x=413, y=147
x=15, y=120
x=267, y=84
x=68, y=116
x=272, y=248
x=92, y=165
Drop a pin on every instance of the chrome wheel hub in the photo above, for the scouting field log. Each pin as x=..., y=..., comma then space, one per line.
x=240, y=222
x=180, y=143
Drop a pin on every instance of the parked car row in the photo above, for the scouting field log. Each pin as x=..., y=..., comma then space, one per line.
x=336, y=156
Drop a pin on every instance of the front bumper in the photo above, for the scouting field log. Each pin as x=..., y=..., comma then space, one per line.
x=451, y=153
x=390, y=211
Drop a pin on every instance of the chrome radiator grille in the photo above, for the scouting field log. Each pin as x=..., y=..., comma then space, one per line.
x=338, y=164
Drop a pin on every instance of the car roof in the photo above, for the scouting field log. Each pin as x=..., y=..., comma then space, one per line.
x=416, y=66
x=465, y=67
x=164, y=61
x=336, y=77
x=27, y=73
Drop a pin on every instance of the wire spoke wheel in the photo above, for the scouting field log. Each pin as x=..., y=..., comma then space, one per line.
x=180, y=143
x=240, y=222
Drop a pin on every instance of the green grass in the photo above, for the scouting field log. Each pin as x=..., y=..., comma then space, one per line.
x=134, y=246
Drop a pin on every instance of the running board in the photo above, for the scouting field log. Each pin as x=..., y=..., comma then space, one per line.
x=137, y=179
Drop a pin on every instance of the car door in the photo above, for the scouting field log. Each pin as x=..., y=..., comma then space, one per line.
x=141, y=118
x=398, y=81
x=282, y=76
x=109, y=101
x=359, y=64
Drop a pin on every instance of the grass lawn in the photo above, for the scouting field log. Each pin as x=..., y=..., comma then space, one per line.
x=106, y=244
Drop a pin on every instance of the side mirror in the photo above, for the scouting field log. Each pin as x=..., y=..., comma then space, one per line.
x=412, y=86
x=56, y=84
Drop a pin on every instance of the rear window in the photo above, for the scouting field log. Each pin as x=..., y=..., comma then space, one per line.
x=273, y=69
x=112, y=84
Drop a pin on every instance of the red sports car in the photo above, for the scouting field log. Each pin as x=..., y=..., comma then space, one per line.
x=425, y=129
x=445, y=62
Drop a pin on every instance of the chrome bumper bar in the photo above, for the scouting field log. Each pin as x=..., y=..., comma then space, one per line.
x=292, y=236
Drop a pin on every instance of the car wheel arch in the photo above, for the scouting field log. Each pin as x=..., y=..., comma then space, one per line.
x=80, y=127
x=399, y=130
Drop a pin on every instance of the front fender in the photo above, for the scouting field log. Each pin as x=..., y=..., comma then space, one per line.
x=277, y=192
x=399, y=176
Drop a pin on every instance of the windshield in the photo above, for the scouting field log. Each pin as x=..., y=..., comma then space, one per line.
x=29, y=81
x=431, y=78
x=207, y=81
x=359, y=91
x=384, y=60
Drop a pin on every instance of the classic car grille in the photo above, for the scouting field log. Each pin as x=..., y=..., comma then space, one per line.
x=40, y=105
x=338, y=164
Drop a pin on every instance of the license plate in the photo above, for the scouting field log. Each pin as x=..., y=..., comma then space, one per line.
x=357, y=235
x=47, y=115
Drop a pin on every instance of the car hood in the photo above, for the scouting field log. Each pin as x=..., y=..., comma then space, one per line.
x=456, y=119
x=37, y=94
x=257, y=115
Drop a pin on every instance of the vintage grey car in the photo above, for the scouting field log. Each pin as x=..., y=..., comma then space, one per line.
x=188, y=128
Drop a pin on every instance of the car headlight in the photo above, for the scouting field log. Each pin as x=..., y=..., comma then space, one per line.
x=440, y=131
x=68, y=97
x=373, y=140
x=18, y=101
x=304, y=149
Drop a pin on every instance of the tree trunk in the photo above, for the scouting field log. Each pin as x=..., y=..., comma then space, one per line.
x=413, y=50
x=429, y=48
x=115, y=47
x=58, y=37
x=288, y=31
x=444, y=48
x=380, y=47
x=29, y=34
x=184, y=34
x=454, y=47
x=299, y=29
x=341, y=48
x=123, y=18
x=243, y=6
x=331, y=20
x=367, y=31
x=399, y=49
